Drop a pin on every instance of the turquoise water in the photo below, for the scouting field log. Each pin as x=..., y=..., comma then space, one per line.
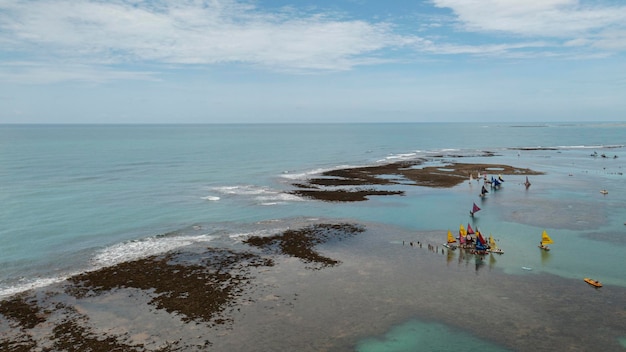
x=78, y=196
x=68, y=191
x=419, y=336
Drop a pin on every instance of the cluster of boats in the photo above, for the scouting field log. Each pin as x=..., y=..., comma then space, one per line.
x=474, y=242
x=471, y=240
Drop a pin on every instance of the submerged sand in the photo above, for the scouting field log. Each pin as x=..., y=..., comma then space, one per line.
x=322, y=287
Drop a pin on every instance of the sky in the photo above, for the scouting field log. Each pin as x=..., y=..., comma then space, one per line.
x=302, y=61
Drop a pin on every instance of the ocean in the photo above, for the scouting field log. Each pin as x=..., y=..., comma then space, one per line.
x=79, y=197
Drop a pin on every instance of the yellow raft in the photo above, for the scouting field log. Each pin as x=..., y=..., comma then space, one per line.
x=592, y=282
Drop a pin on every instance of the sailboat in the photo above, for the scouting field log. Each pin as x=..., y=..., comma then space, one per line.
x=545, y=240
x=451, y=241
x=483, y=191
x=481, y=244
x=475, y=208
x=493, y=247
x=495, y=183
x=527, y=184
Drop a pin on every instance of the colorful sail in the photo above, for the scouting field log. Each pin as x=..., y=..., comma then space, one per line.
x=470, y=230
x=480, y=238
x=493, y=247
x=480, y=246
x=462, y=231
x=451, y=238
x=492, y=243
x=483, y=191
x=475, y=208
x=545, y=239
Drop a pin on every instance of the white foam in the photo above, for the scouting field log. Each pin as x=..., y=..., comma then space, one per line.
x=402, y=156
x=278, y=198
x=419, y=153
x=133, y=250
x=241, y=190
x=306, y=174
x=261, y=195
x=259, y=233
x=211, y=198
x=32, y=284
x=590, y=146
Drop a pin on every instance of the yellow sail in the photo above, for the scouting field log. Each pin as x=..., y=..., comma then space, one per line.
x=492, y=243
x=462, y=231
x=451, y=238
x=545, y=239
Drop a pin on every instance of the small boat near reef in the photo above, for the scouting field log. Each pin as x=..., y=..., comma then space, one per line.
x=493, y=248
x=593, y=282
x=545, y=240
x=475, y=208
x=451, y=244
x=527, y=184
x=483, y=191
x=481, y=244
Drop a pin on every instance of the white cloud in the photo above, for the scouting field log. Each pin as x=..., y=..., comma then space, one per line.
x=565, y=19
x=186, y=32
x=93, y=40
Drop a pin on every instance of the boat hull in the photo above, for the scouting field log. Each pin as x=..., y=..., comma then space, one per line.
x=594, y=283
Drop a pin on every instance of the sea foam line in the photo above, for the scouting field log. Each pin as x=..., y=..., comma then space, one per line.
x=134, y=250
x=110, y=256
x=25, y=285
x=262, y=195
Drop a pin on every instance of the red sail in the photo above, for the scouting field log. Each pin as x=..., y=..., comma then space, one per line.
x=480, y=238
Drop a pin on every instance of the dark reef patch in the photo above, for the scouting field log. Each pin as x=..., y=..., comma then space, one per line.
x=300, y=243
x=346, y=185
x=197, y=291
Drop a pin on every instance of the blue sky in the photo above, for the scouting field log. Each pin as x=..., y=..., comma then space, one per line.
x=194, y=61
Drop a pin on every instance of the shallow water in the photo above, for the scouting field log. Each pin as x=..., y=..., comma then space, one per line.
x=79, y=197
